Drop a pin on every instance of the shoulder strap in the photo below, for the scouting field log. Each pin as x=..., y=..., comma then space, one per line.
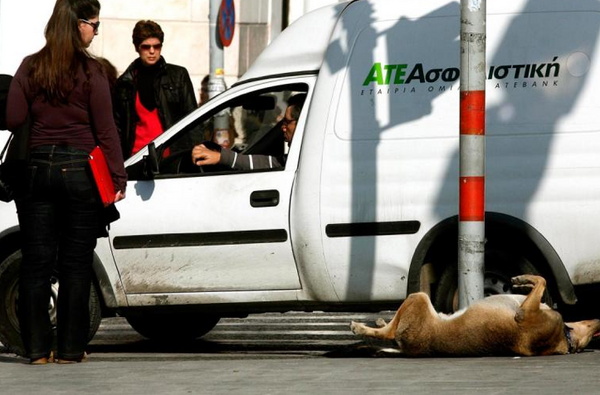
x=3, y=153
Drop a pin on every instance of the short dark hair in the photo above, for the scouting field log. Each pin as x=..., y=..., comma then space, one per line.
x=144, y=30
x=110, y=71
x=296, y=102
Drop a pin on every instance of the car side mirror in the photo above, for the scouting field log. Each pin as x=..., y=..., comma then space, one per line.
x=151, y=162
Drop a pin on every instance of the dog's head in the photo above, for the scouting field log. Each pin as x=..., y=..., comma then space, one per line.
x=581, y=333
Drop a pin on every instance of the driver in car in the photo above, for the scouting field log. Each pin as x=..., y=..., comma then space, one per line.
x=201, y=155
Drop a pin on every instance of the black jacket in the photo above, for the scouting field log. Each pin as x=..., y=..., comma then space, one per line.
x=174, y=95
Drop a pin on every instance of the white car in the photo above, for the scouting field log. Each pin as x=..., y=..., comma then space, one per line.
x=365, y=210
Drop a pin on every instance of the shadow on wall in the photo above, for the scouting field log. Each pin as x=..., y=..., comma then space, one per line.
x=399, y=37
x=539, y=106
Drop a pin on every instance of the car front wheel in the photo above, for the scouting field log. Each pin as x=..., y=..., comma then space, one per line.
x=10, y=334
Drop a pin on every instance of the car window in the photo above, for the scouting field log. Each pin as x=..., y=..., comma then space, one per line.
x=249, y=124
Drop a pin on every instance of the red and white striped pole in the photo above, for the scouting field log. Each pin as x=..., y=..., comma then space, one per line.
x=471, y=225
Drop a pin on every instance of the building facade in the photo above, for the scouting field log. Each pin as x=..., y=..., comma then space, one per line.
x=185, y=23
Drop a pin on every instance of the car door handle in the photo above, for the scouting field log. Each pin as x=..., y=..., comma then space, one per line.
x=269, y=198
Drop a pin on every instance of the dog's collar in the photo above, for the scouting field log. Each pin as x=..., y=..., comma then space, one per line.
x=572, y=347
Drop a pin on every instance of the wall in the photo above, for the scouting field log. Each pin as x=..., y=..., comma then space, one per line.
x=185, y=23
x=21, y=30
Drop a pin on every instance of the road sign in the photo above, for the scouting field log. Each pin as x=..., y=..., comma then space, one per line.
x=226, y=22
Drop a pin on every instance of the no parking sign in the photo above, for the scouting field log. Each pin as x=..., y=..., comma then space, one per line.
x=226, y=22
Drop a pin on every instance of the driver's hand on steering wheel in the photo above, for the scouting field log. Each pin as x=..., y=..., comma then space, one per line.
x=203, y=156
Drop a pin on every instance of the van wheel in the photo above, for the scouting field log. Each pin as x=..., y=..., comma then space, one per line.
x=500, y=267
x=172, y=328
x=10, y=334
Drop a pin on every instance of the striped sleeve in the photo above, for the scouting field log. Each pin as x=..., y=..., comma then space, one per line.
x=248, y=162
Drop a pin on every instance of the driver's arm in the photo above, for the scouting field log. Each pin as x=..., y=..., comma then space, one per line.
x=203, y=156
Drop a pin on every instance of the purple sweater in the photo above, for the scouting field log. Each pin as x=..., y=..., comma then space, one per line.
x=70, y=124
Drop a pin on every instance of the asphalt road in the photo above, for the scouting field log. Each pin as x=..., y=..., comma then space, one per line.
x=292, y=353
x=296, y=335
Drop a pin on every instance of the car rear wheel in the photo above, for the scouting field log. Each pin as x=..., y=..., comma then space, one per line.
x=172, y=328
x=10, y=334
x=500, y=267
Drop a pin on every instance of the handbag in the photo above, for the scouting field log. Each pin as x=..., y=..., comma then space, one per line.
x=102, y=176
x=6, y=167
x=6, y=191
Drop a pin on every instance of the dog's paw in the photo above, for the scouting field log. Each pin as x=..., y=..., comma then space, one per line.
x=522, y=281
x=357, y=328
x=380, y=323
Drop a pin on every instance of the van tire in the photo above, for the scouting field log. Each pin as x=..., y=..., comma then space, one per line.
x=172, y=328
x=501, y=266
x=10, y=334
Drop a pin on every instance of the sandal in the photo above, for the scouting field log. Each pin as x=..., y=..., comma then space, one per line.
x=64, y=361
x=42, y=360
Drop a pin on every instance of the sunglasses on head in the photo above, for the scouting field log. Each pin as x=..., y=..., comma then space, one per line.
x=146, y=47
x=95, y=25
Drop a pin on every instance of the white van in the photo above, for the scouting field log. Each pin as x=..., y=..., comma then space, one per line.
x=365, y=210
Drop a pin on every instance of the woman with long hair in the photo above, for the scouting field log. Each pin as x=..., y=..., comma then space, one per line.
x=65, y=93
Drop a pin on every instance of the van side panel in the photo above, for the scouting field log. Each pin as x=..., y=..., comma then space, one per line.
x=391, y=147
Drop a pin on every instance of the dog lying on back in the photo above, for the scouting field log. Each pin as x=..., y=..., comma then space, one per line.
x=504, y=324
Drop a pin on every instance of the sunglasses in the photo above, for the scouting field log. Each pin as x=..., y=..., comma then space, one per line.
x=95, y=25
x=146, y=47
x=286, y=122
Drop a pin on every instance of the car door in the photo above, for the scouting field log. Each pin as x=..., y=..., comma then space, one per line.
x=221, y=230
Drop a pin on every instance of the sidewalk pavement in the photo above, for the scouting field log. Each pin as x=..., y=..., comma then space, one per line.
x=175, y=374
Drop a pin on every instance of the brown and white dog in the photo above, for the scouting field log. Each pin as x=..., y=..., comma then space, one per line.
x=505, y=324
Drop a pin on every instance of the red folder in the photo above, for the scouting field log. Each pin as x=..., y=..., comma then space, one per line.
x=102, y=176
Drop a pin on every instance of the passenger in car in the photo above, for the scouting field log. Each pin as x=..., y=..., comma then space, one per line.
x=202, y=155
x=203, y=90
x=225, y=137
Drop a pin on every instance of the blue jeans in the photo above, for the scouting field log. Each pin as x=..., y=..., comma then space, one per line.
x=58, y=209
